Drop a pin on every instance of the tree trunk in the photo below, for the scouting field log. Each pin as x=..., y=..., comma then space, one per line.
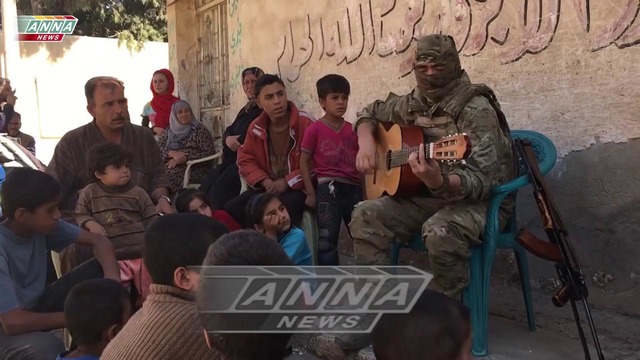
x=37, y=7
x=59, y=7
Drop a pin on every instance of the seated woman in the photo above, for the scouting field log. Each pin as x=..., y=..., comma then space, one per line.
x=223, y=182
x=185, y=139
x=157, y=111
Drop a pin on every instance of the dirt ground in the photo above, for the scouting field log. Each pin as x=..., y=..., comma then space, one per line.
x=556, y=335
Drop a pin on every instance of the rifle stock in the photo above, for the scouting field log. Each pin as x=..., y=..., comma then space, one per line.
x=558, y=249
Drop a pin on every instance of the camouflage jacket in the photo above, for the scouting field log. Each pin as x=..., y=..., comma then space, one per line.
x=491, y=159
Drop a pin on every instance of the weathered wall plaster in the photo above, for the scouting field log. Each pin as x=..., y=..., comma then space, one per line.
x=568, y=69
x=564, y=68
x=182, y=34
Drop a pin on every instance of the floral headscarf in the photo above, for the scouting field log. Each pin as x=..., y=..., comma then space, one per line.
x=178, y=132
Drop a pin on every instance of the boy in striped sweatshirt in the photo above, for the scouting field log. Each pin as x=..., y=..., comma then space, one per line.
x=168, y=325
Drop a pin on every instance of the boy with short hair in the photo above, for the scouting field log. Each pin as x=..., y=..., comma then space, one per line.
x=240, y=248
x=113, y=206
x=269, y=158
x=33, y=227
x=332, y=146
x=436, y=328
x=95, y=311
x=167, y=326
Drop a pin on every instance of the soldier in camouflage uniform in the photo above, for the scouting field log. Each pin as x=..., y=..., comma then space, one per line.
x=451, y=215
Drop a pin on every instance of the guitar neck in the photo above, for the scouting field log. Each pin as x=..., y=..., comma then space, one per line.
x=401, y=157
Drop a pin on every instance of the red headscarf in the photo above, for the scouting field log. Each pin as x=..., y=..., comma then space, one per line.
x=161, y=103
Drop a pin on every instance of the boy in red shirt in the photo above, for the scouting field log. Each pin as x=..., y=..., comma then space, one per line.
x=332, y=145
x=269, y=158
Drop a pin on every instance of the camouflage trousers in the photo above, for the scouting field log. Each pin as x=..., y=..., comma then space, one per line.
x=448, y=229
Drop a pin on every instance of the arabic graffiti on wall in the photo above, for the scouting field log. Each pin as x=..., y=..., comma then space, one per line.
x=528, y=27
x=235, y=45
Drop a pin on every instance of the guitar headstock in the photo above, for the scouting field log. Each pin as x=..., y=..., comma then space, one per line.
x=452, y=148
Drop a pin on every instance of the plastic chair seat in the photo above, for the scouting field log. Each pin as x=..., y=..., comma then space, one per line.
x=186, y=180
x=55, y=258
x=476, y=295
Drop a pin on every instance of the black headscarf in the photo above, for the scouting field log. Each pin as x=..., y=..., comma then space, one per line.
x=257, y=72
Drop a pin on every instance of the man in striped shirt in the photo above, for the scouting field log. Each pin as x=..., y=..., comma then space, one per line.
x=107, y=105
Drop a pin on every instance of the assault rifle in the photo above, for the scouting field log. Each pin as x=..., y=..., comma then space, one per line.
x=558, y=249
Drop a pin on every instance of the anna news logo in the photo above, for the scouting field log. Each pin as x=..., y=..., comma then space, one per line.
x=301, y=299
x=48, y=28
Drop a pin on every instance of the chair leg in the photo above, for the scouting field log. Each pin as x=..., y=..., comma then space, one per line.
x=67, y=339
x=476, y=299
x=395, y=253
x=523, y=269
x=309, y=225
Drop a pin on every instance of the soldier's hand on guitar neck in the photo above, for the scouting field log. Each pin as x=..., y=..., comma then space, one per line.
x=427, y=170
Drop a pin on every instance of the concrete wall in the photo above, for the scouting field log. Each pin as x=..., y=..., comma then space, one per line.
x=50, y=79
x=567, y=69
x=182, y=33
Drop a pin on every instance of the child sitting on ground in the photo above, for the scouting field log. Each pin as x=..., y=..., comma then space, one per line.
x=168, y=326
x=29, y=308
x=437, y=328
x=268, y=215
x=114, y=207
x=95, y=311
x=193, y=201
x=332, y=146
x=240, y=248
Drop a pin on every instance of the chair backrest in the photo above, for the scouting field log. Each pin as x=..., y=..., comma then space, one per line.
x=546, y=152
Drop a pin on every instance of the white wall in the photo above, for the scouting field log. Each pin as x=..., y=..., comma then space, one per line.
x=50, y=84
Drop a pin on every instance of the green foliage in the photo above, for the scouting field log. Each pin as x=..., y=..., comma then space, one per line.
x=133, y=22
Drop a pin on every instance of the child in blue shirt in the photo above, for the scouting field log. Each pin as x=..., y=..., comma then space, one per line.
x=95, y=311
x=28, y=307
x=268, y=215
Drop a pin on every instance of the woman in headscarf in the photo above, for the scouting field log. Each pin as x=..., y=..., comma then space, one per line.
x=157, y=111
x=223, y=182
x=185, y=139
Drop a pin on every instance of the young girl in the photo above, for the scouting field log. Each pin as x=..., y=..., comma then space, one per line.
x=268, y=215
x=193, y=201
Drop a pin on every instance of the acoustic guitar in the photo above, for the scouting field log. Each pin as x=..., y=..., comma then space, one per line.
x=393, y=174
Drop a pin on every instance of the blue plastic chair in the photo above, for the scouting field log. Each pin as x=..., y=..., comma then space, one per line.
x=476, y=296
